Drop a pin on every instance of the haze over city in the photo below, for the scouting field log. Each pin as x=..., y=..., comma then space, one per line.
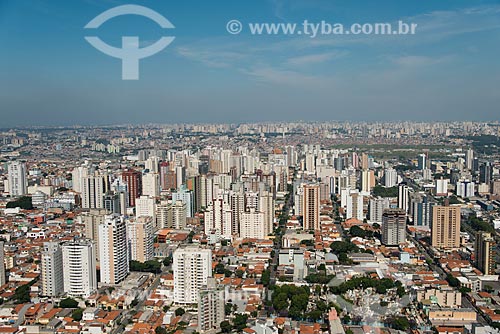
x=447, y=70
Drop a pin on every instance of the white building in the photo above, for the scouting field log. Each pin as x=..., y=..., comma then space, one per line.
x=52, y=270
x=151, y=184
x=79, y=263
x=390, y=177
x=145, y=206
x=218, y=218
x=252, y=225
x=18, y=184
x=93, y=189
x=113, y=250
x=192, y=267
x=354, y=206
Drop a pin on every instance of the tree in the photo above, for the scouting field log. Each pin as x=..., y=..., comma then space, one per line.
x=357, y=231
x=240, y=322
x=167, y=261
x=266, y=277
x=160, y=330
x=23, y=202
x=68, y=303
x=179, y=312
x=339, y=247
x=77, y=314
x=225, y=326
x=239, y=273
x=219, y=268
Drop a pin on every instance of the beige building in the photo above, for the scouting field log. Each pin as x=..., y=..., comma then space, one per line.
x=445, y=227
x=140, y=239
x=452, y=317
x=446, y=297
x=311, y=207
x=485, y=253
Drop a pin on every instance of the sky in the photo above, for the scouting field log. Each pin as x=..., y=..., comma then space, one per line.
x=448, y=70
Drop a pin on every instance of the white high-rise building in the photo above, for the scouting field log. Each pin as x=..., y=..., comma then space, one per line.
x=145, y=206
x=390, y=177
x=113, y=250
x=403, y=197
x=18, y=183
x=52, y=270
x=442, y=187
x=79, y=263
x=192, y=267
x=151, y=184
x=78, y=174
x=94, y=188
x=377, y=207
x=186, y=196
x=140, y=238
x=252, y=225
x=218, y=218
x=266, y=206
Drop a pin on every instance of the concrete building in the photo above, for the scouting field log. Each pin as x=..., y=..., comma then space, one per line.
x=52, y=270
x=210, y=307
x=252, y=225
x=192, y=267
x=445, y=227
x=18, y=183
x=79, y=263
x=311, y=207
x=393, y=227
x=485, y=253
x=140, y=236
x=114, y=260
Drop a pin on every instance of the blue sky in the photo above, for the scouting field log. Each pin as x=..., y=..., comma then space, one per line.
x=448, y=70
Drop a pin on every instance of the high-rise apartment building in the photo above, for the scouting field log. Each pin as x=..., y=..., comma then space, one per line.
x=18, y=183
x=354, y=205
x=151, y=184
x=79, y=263
x=140, y=238
x=393, y=227
x=266, y=206
x=311, y=207
x=445, y=227
x=113, y=250
x=52, y=270
x=192, y=267
x=94, y=189
x=485, y=253
x=252, y=225
x=210, y=307
x=133, y=180
x=403, y=197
